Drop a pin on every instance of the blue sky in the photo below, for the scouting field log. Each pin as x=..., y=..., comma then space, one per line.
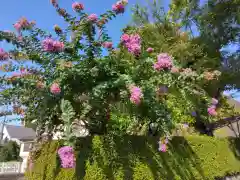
x=46, y=17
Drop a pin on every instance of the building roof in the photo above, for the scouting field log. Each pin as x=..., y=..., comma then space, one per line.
x=20, y=132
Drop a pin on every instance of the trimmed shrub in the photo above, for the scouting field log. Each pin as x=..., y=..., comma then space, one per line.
x=138, y=158
x=10, y=152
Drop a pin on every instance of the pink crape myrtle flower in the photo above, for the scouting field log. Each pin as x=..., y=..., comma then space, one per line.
x=77, y=6
x=17, y=26
x=53, y=2
x=23, y=23
x=150, y=50
x=49, y=45
x=162, y=148
x=164, y=61
x=212, y=111
x=125, y=38
x=214, y=101
x=132, y=43
x=163, y=145
x=67, y=157
x=3, y=55
x=55, y=88
x=24, y=72
x=136, y=94
x=134, y=49
x=58, y=46
x=135, y=39
x=108, y=45
x=118, y=8
x=92, y=17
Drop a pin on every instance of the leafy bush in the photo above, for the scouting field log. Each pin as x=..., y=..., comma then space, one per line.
x=136, y=157
x=9, y=152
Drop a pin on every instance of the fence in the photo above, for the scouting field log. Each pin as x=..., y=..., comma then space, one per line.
x=10, y=167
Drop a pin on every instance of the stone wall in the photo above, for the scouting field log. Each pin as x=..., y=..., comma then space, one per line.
x=12, y=177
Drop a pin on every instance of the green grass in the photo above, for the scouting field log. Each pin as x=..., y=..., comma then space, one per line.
x=137, y=158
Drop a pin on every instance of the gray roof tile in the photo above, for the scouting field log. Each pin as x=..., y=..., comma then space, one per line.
x=20, y=132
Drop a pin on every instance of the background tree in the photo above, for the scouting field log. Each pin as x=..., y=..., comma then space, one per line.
x=10, y=152
x=218, y=25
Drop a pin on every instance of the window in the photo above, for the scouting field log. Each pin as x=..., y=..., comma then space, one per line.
x=27, y=146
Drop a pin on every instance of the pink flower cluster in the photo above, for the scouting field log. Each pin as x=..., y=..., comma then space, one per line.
x=49, y=45
x=54, y=2
x=92, y=17
x=55, y=88
x=119, y=7
x=163, y=145
x=164, y=61
x=66, y=155
x=108, y=45
x=3, y=55
x=77, y=6
x=212, y=109
x=132, y=43
x=23, y=23
x=136, y=94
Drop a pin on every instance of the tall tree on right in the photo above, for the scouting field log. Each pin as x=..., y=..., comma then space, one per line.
x=218, y=24
x=210, y=27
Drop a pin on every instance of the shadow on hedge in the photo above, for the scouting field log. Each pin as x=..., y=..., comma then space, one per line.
x=234, y=144
x=127, y=154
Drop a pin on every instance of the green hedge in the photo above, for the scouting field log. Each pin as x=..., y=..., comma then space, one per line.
x=137, y=158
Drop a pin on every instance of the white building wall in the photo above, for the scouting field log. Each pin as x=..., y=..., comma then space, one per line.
x=5, y=134
x=24, y=155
